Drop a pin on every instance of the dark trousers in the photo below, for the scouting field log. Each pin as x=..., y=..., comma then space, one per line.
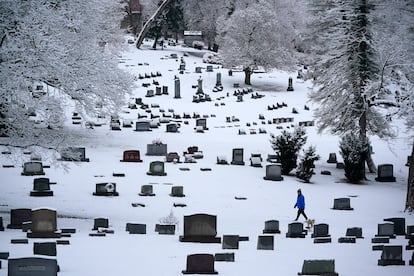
x=301, y=211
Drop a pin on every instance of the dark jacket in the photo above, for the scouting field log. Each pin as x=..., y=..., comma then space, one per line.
x=300, y=202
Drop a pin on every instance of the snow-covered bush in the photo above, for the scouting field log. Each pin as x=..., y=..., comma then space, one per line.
x=305, y=170
x=212, y=58
x=198, y=44
x=287, y=146
x=354, y=151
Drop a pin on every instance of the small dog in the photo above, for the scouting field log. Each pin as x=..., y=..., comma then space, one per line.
x=309, y=224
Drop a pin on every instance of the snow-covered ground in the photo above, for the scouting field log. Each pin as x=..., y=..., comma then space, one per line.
x=210, y=192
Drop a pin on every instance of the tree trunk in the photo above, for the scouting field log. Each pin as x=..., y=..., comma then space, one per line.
x=247, y=75
x=363, y=136
x=409, y=204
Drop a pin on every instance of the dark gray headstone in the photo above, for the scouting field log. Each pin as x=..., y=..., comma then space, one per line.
x=105, y=189
x=273, y=172
x=33, y=168
x=230, y=242
x=136, y=228
x=131, y=156
x=32, y=267
x=1, y=224
x=265, y=243
x=399, y=225
x=391, y=255
x=224, y=257
x=41, y=187
x=165, y=229
x=290, y=85
x=157, y=149
x=177, y=191
x=354, y=232
x=200, y=228
x=237, y=157
x=177, y=89
x=143, y=125
x=332, y=158
x=200, y=264
x=271, y=227
x=385, y=173
x=202, y=122
x=100, y=223
x=172, y=128
x=342, y=204
x=157, y=168
x=147, y=190
x=320, y=230
x=44, y=248
x=18, y=216
x=218, y=79
x=386, y=230
x=44, y=224
x=74, y=154
x=318, y=267
x=295, y=230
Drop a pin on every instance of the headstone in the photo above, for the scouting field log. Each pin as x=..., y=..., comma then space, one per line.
x=200, y=228
x=131, y=156
x=256, y=162
x=165, y=229
x=391, y=255
x=33, y=168
x=332, y=158
x=200, y=86
x=342, y=204
x=32, y=267
x=44, y=224
x=74, y=154
x=386, y=230
x=273, y=172
x=354, y=232
x=146, y=190
x=385, y=173
x=399, y=225
x=158, y=91
x=41, y=187
x=198, y=70
x=172, y=157
x=100, y=223
x=143, y=125
x=222, y=160
x=224, y=257
x=172, y=128
x=271, y=227
x=209, y=68
x=265, y=243
x=44, y=248
x=1, y=224
x=290, y=84
x=136, y=228
x=177, y=191
x=295, y=230
x=18, y=217
x=230, y=242
x=200, y=264
x=347, y=240
x=156, y=149
x=410, y=231
x=321, y=230
x=26, y=226
x=105, y=189
x=218, y=80
x=411, y=262
x=202, y=122
x=230, y=73
x=157, y=168
x=237, y=158
x=318, y=267
x=177, y=92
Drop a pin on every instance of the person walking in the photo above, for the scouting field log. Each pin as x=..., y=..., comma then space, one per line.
x=300, y=204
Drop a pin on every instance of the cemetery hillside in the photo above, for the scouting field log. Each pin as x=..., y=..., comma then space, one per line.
x=239, y=138
x=204, y=183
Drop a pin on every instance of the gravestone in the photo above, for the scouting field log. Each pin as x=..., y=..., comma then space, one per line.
x=295, y=230
x=172, y=128
x=399, y=225
x=131, y=156
x=165, y=229
x=391, y=255
x=32, y=266
x=177, y=191
x=157, y=149
x=354, y=232
x=1, y=224
x=385, y=173
x=41, y=187
x=332, y=158
x=256, y=160
x=18, y=217
x=386, y=230
x=273, y=172
x=105, y=189
x=32, y=168
x=410, y=231
x=74, y=154
x=230, y=242
x=218, y=80
x=143, y=125
x=265, y=243
x=320, y=230
x=290, y=84
x=224, y=257
x=200, y=228
x=44, y=224
x=342, y=204
x=209, y=68
x=157, y=168
x=411, y=262
x=44, y=248
x=222, y=160
x=200, y=264
x=318, y=267
x=26, y=226
x=100, y=223
x=172, y=157
x=200, y=86
x=198, y=70
x=202, y=122
x=271, y=227
x=146, y=190
x=136, y=228
x=237, y=158
x=177, y=92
